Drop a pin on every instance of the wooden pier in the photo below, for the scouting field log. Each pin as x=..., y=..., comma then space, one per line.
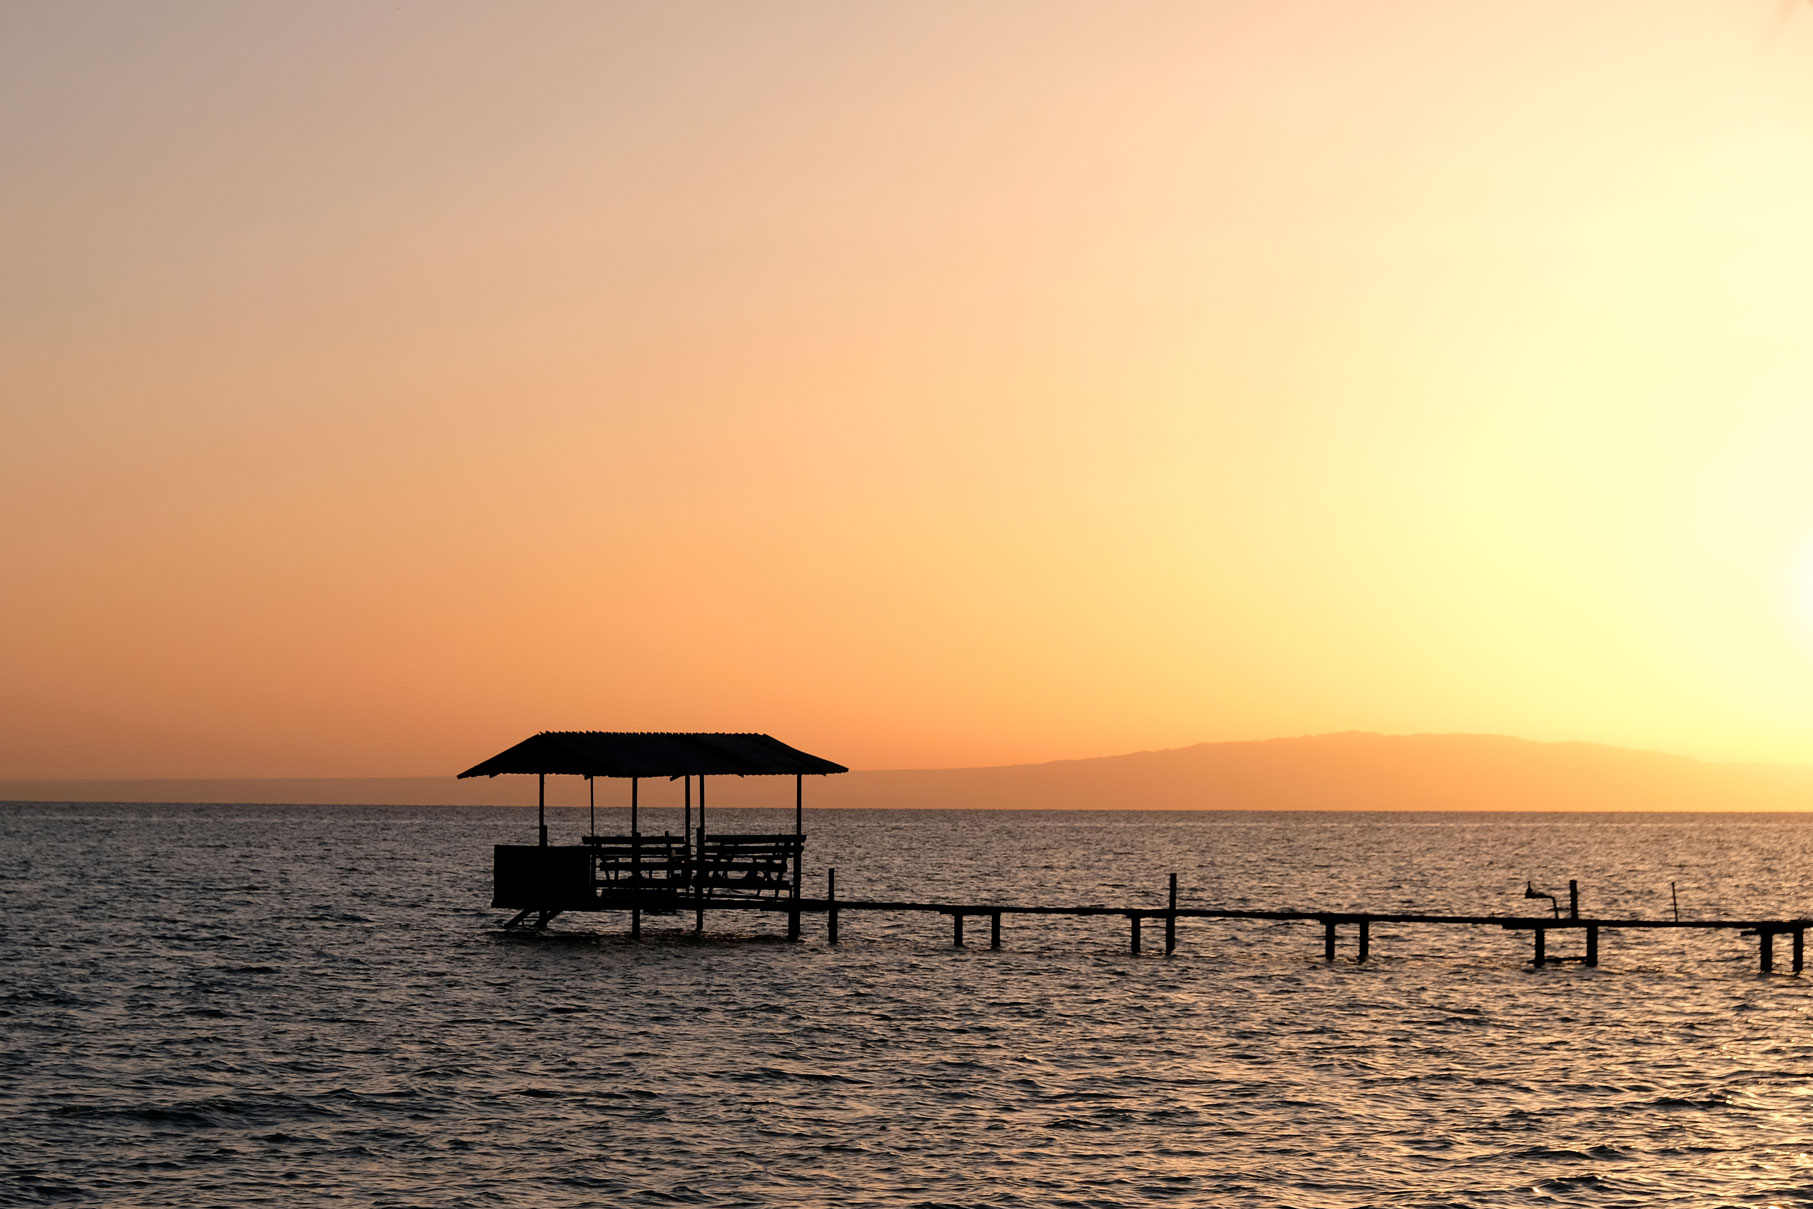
x=700, y=871
x=1357, y=924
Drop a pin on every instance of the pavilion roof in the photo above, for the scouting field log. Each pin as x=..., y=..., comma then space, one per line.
x=600, y=753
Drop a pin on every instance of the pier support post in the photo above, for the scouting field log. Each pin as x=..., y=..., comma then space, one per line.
x=1365, y=939
x=1592, y=944
x=1328, y=940
x=956, y=930
x=1542, y=945
x=1799, y=947
x=1134, y=919
x=1171, y=920
x=831, y=908
x=1573, y=899
x=1765, y=946
x=994, y=930
x=799, y=851
x=698, y=867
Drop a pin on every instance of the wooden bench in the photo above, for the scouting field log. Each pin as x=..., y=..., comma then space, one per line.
x=733, y=865
x=617, y=860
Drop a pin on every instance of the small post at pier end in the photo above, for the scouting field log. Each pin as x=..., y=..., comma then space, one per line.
x=1765, y=944
x=1592, y=944
x=1542, y=943
x=1365, y=938
x=1171, y=920
x=831, y=908
x=956, y=929
x=1134, y=919
x=994, y=930
x=1573, y=899
x=1328, y=940
x=1799, y=947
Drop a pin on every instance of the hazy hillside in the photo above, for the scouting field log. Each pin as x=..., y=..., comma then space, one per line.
x=1351, y=771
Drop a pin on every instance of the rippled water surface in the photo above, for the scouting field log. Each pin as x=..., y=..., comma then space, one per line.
x=218, y=1005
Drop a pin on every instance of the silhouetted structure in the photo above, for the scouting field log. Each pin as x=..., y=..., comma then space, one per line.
x=747, y=872
x=635, y=872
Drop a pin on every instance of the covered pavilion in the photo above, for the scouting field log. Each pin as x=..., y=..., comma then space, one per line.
x=637, y=872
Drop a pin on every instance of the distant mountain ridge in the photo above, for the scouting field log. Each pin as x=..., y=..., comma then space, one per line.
x=1357, y=771
x=1347, y=771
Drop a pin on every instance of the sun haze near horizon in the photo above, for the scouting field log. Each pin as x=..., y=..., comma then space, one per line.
x=928, y=385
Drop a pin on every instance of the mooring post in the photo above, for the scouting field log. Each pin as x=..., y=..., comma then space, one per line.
x=994, y=929
x=956, y=929
x=1592, y=944
x=831, y=908
x=1765, y=944
x=1171, y=920
x=1365, y=938
x=1328, y=940
x=1135, y=921
x=1573, y=899
x=1542, y=943
x=1799, y=947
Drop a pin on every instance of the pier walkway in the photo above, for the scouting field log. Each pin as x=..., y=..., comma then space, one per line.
x=1358, y=923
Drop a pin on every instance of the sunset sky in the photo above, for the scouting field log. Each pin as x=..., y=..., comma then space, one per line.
x=924, y=384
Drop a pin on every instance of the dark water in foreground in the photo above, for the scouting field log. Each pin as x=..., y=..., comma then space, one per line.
x=243, y=1005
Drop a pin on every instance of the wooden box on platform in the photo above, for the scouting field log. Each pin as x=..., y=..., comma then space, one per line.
x=528, y=875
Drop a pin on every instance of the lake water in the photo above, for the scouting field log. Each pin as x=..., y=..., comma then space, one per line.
x=236, y=1005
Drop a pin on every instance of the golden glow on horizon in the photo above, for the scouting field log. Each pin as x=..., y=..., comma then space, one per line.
x=926, y=384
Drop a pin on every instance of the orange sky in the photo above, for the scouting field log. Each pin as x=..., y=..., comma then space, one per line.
x=923, y=384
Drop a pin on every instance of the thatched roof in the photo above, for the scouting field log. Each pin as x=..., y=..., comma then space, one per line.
x=599, y=753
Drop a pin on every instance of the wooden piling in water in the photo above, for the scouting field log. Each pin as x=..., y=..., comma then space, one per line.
x=1134, y=919
x=1542, y=942
x=1799, y=947
x=957, y=929
x=1765, y=945
x=1171, y=920
x=994, y=930
x=831, y=909
x=1592, y=944
x=1365, y=938
x=1328, y=940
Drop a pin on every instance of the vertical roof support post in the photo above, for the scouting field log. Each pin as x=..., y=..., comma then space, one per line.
x=799, y=851
x=635, y=861
x=591, y=797
x=541, y=805
x=633, y=826
x=698, y=880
